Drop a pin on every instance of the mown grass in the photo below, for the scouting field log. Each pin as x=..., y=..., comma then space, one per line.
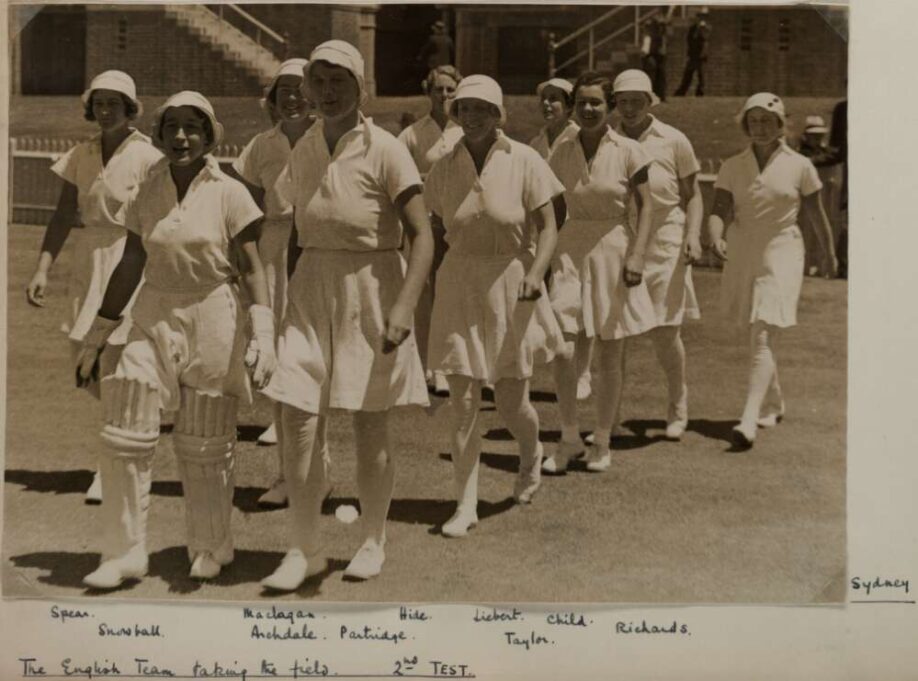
x=688, y=522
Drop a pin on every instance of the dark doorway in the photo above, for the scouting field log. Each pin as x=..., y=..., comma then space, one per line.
x=401, y=31
x=54, y=51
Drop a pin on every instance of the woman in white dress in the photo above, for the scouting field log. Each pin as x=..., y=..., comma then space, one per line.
x=346, y=340
x=491, y=320
x=597, y=287
x=675, y=232
x=762, y=191
x=99, y=176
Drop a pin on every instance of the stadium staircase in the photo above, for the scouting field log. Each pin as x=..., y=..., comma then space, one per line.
x=611, y=41
x=237, y=35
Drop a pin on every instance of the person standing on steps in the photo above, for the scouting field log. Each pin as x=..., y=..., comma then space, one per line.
x=696, y=47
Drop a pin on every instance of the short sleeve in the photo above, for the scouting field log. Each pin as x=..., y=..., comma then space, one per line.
x=239, y=208
x=246, y=164
x=66, y=167
x=398, y=170
x=686, y=161
x=433, y=188
x=637, y=159
x=809, y=178
x=540, y=184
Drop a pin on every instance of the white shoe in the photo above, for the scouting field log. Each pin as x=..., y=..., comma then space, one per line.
x=94, y=493
x=295, y=568
x=276, y=496
x=584, y=386
x=600, y=459
x=460, y=523
x=743, y=437
x=205, y=566
x=557, y=463
x=529, y=479
x=772, y=419
x=367, y=562
x=441, y=385
x=675, y=430
x=269, y=436
x=112, y=573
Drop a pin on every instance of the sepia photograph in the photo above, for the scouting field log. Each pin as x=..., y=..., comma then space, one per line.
x=435, y=303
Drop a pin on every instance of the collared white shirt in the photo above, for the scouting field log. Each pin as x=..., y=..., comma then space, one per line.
x=769, y=198
x=428, y=143
x=346, y=200
x=487, y=214
x=540, y=141
x=673, y=159
x=103, y=191
x=187, y=243
x=600, y=189
x=261, y=163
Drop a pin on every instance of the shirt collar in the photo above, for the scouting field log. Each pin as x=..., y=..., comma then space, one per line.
x=428, y=121
x=133, y=135
x=652, y=129
x=364, y=127
x=211, y=167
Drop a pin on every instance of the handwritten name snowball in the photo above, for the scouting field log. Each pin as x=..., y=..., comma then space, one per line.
x=346, y=514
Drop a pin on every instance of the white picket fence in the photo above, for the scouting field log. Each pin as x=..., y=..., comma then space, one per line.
x=34, y=189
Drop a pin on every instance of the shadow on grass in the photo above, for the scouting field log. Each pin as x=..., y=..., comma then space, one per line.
x=487, y=395
x=63, y=568
x=50, y=482
x=422, y=511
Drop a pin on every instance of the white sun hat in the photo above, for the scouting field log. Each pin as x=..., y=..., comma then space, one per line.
x=565, y=86
x=343, y=54
x=635, y=80
x=193, y=99
x=117, y=81
x=763, y=100
x=291, y=67
x=815, y=125
x=485, y=88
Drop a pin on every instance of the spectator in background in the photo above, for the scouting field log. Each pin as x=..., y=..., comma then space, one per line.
x=653, y=54
x=812, y=144
x=838, y=153
x=696, y=42
x=438, y=50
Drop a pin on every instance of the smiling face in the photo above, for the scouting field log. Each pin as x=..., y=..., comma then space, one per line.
x=590, y=107
x=289, y=102
x=184, y=135
x=479, y=119
x=334, y=90
x=763, y=127
x=441, y=92
x=633, y=107
x=109, y=110
x=554, y=105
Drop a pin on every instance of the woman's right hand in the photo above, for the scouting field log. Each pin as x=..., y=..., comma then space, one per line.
x=720, y=248
x=35, y=291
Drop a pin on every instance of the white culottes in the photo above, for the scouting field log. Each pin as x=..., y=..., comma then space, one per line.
x=668, y=277
x=329, y=353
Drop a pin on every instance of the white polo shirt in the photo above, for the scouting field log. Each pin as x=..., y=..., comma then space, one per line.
x=187, y=242
x=673, y=159
x=768, y=199
x=601, y=189
x=261, y=163
x=540, y=141
x=428, y=143
x=487, y=215
x=103, y=191
x=346, y=200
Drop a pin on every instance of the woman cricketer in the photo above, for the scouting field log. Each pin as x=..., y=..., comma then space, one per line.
x=99, y=176
x=491, y=319
x=597, y=287
x=259, y=166
x=186, y=352
x=346, y=341
x=762, y=191
x=675, y=232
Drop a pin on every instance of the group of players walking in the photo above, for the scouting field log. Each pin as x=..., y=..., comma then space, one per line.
x=180, y=300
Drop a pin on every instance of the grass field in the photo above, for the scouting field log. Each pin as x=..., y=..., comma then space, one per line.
x=688, y=522
x=707, y=121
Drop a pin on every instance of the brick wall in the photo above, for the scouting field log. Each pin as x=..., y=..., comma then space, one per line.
x=792, y=52
x=160, y=55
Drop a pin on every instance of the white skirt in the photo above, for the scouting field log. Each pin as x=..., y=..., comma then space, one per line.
x=668, y=277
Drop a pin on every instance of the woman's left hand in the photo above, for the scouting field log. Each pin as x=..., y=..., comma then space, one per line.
x=398, y=327
x=692, y=250
x=530, y=288
x=260, y=357
x=634, y=269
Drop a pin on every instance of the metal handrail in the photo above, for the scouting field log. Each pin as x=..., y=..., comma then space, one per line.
x=258, y=24
x=583, y=29
x=250, y=21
